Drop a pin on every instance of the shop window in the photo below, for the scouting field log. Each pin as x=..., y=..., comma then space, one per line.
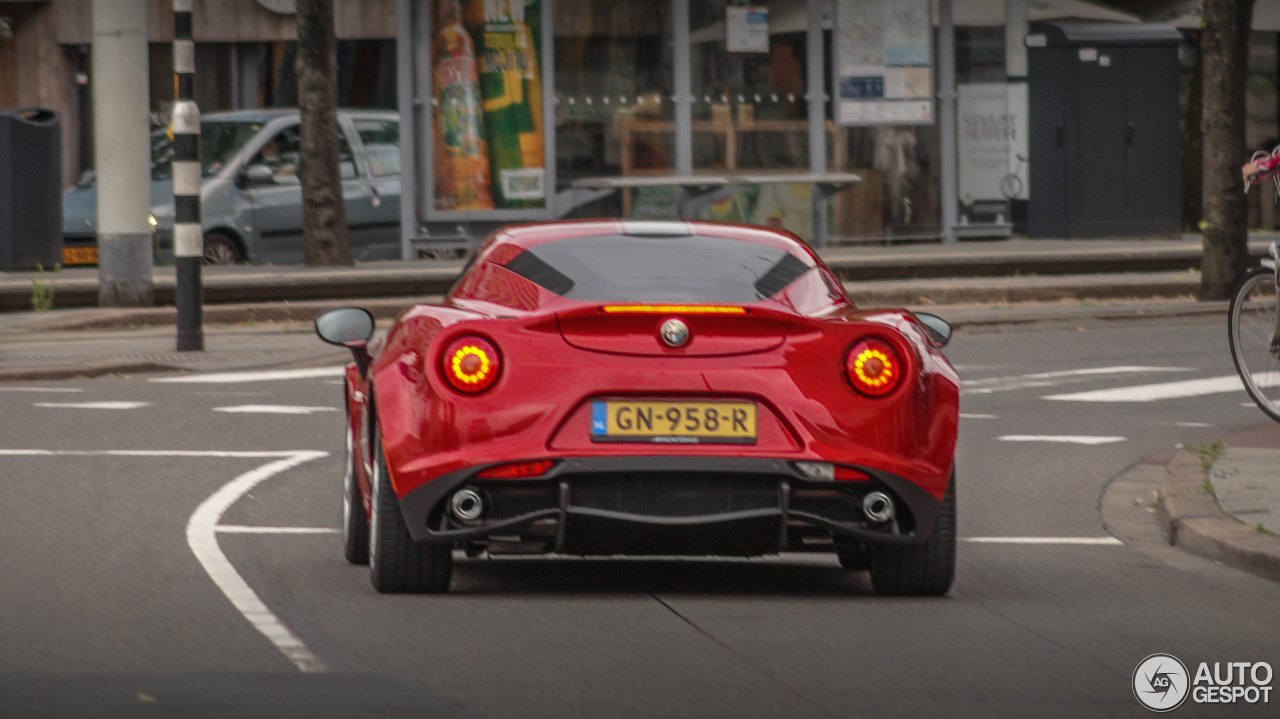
x=613, y=85
x=749, y=107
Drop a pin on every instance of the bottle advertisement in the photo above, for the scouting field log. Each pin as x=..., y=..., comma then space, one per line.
x=487, y=107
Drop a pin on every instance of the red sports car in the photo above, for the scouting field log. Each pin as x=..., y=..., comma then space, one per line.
x=656, y=388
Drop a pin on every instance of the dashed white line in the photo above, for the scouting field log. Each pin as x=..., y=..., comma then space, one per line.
x=1096, y=541
x=269, y=376
x=41, y=389
x=1050, y=379
x=1167, y=390
x=241, y=529
x=91, y=405
x=273, y=409
x=964, y=415
x=1059, y=438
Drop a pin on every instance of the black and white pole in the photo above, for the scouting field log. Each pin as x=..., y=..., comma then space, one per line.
x=188, y=239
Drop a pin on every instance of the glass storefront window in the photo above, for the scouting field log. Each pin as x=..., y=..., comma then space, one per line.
x=749, y=107
x=613, y=88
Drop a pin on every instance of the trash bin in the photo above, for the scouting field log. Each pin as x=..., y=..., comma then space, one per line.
x=30, y=188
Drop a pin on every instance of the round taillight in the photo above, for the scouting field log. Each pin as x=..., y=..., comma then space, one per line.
x=471, y=364
x=873, y=367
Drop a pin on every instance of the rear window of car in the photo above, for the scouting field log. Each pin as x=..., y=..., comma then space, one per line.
x=623, y=268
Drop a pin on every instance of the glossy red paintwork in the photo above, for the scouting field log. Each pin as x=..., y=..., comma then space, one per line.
x=787, y=354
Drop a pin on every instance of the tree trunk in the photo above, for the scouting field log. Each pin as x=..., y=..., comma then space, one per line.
x=1193, y=151
x=324, y=214
x=1224, y=49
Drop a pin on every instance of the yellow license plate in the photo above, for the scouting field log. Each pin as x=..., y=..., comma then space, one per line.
x=673, y=422
x=79, y=255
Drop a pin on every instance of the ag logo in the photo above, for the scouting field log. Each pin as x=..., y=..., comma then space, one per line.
x=1161, y=682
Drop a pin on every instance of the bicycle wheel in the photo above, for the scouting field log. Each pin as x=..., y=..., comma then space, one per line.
x=1251, y=323
x=1011, y=186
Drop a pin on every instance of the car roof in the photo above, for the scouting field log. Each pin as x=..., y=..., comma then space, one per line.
x=530, y=235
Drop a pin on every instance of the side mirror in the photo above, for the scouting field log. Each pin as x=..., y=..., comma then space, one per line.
x=938, y=329
x=258, y=175
x=349, y=327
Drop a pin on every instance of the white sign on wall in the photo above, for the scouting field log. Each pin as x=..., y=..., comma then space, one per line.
x=747, y=29
x=883, y=62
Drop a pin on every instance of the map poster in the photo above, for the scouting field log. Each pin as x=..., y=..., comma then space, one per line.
x=884, y=63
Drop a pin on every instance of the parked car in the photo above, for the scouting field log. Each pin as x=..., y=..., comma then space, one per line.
x=656, y=388
x=251, y=200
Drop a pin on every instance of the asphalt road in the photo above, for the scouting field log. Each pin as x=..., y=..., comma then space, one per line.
x=173, y=553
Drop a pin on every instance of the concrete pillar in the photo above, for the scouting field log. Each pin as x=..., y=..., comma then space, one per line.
x=123, y=153
x=1015, y=36
x=948, y=146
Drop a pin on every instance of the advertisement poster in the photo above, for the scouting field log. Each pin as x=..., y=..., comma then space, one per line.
x=487, y=109
x=992, y=124
x=884, y=62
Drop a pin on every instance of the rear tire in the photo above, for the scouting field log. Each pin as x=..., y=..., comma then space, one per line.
x=355, y=523
x=922, y=569
x=398, y=564
x=221, y=250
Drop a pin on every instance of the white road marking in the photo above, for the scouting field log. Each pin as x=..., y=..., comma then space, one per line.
x=202, y=531
x=269, y=376
x=92, y=405
x=977, y=416
x=203, y=540
x=240, y=529
x=1098, y=541
x=1059, y=438
x=1052, y=379
x=1192, y=424
x=40, y=389
x=1167, y=390
x=272, y=409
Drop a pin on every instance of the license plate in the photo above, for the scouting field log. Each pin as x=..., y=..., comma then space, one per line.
x=79, y=255
x=673, y=422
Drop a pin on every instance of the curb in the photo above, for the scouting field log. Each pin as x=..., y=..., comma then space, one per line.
x=1192, y=521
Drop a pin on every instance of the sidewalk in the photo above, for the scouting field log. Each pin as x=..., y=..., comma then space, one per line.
x=1221, y=500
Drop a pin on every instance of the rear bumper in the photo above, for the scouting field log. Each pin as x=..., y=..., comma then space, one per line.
x=668, y=505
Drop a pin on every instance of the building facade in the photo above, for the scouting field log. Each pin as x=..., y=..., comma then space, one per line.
x=648, y=88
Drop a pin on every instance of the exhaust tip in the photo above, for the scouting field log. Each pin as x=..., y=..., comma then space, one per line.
x=466, y=505
x=878, y=507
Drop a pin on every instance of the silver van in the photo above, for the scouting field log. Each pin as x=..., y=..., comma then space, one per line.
x=251, y=201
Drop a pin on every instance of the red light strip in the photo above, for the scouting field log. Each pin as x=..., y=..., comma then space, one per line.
x=675, y=309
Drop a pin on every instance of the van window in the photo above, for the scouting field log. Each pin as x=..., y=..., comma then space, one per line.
x=381, y=140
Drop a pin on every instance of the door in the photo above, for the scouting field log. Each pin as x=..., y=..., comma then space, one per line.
x=1101, y=162
x=277, y=201
x=377, y=222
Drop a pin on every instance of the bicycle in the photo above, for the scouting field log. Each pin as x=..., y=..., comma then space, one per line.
x=1253, y=323
x=1011, y=184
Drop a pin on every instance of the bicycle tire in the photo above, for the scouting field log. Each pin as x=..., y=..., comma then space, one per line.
x=1011, y=186
x=1250, y=324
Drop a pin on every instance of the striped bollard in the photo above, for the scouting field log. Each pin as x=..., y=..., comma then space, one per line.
x=188, y=238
